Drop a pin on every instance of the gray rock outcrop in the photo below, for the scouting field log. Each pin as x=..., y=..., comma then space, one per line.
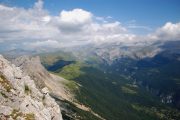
x=20, y=99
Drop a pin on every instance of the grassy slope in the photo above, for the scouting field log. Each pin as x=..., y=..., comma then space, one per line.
x=48, y=59
x=113, y=96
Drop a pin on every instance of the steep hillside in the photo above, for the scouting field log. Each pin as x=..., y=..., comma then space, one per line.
x=32, y=66
x=114, y=96
x=61, y=89
x=142, y=83
x=20, y=99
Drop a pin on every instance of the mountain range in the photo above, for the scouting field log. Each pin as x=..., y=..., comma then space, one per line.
x=112, y=81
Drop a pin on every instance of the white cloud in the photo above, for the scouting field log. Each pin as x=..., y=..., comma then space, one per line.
x=76, y=16
x=73, y=21
x=2, y=7
x=46, y=18
x=35, y=27
x=169, y=31
x=39, y=5
x=47, y=43
x=132, y=24
x=140, y=27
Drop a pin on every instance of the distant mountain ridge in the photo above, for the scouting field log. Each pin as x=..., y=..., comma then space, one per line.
x=137, y=78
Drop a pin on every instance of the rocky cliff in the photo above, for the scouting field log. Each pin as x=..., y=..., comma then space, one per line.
x=57, y=85
x=32, y=66
x=21, y=99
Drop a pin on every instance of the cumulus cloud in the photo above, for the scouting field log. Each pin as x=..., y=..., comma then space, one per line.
x=76, y=16
x=169, y=31
x=35, y=27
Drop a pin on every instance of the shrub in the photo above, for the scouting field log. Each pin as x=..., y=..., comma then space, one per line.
x=27, y=89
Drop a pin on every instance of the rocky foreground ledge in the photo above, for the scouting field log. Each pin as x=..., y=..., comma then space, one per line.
x=20, y=99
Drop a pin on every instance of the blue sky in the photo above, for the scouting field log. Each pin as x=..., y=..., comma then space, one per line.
x=152, y=13
x=34, y=24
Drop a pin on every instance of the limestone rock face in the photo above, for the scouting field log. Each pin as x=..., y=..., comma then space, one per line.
x=32, y=66
x=20, y=99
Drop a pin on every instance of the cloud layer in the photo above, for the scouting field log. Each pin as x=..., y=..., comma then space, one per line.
x=35, y=28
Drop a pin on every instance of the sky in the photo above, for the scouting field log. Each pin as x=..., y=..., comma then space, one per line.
x=153, y=13
x=56, y=23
